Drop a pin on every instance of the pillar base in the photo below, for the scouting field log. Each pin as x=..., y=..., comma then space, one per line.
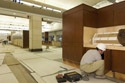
x=35, y=50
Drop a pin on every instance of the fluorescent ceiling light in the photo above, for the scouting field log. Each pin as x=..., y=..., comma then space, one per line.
x=30, y=4
x=102, y=4
x=1, y=31
x=35, y=5
x=56, y=10
x=49, y=8
x=119, y=1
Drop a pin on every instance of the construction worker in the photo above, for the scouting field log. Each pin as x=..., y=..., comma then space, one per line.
x=92, y=62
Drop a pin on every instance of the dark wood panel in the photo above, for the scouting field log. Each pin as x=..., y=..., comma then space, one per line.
x=25, y=39
x=69, y=52
x=79, y=53
x=79, y=27
x=46, y=35
x=69, y=28
x=106, y=8
x=119, y=16
x=118, y=61
x=120, y=5
x=89, y=19
x=79, y=8
x=107, y=61
x=76, y=18
x=105, y=16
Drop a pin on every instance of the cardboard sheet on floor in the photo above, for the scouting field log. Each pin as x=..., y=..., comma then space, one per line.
x=25, y=55
x=37, y=78
x=19, y=51
x=8, y=78
x=6, y=50
x=52, y=55
x=4, y=69
x=44, y=66
x=1, y=62
x=2, y=55
x=26, y=67
x=10, y=60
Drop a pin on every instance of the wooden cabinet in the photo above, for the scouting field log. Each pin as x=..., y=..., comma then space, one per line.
x=118, y=61
x=69, y=30
x=25, y=39
x=105, y=16
x=119, y=14
x=107, y=61
x=90, y=18
x=73, y=22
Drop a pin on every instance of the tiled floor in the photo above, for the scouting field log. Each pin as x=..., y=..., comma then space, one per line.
x=45, y=65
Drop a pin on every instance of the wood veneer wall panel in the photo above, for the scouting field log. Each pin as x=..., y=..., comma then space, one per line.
x=25, y=39
x=89, y=18
x=69, y=28
x=105, y=16
x=73, y=22
x=112, y=15
x=69, y=52
x=118, y=60
x=79, y=8
x=119, y=14
x=79, y=51
x=107, y=61
x=46, y=35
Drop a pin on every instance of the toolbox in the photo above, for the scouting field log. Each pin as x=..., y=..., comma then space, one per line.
x=72, y=76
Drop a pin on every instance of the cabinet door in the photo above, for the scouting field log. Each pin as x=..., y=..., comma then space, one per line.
x=118, y=61
x=119, y=14
x=105, y=16
x=107, y=61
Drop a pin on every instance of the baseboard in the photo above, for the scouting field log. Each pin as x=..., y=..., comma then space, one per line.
x=35, y=50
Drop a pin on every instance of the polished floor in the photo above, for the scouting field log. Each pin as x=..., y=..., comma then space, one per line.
x=42, y=66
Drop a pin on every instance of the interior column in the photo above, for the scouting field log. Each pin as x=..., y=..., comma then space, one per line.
x=55, y=36
x=35, y=33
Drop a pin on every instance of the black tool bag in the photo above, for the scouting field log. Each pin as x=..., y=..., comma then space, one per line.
x=72, y=76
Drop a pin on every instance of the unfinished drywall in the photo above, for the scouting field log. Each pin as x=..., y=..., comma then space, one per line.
x=89, y=33
x=110, y=29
